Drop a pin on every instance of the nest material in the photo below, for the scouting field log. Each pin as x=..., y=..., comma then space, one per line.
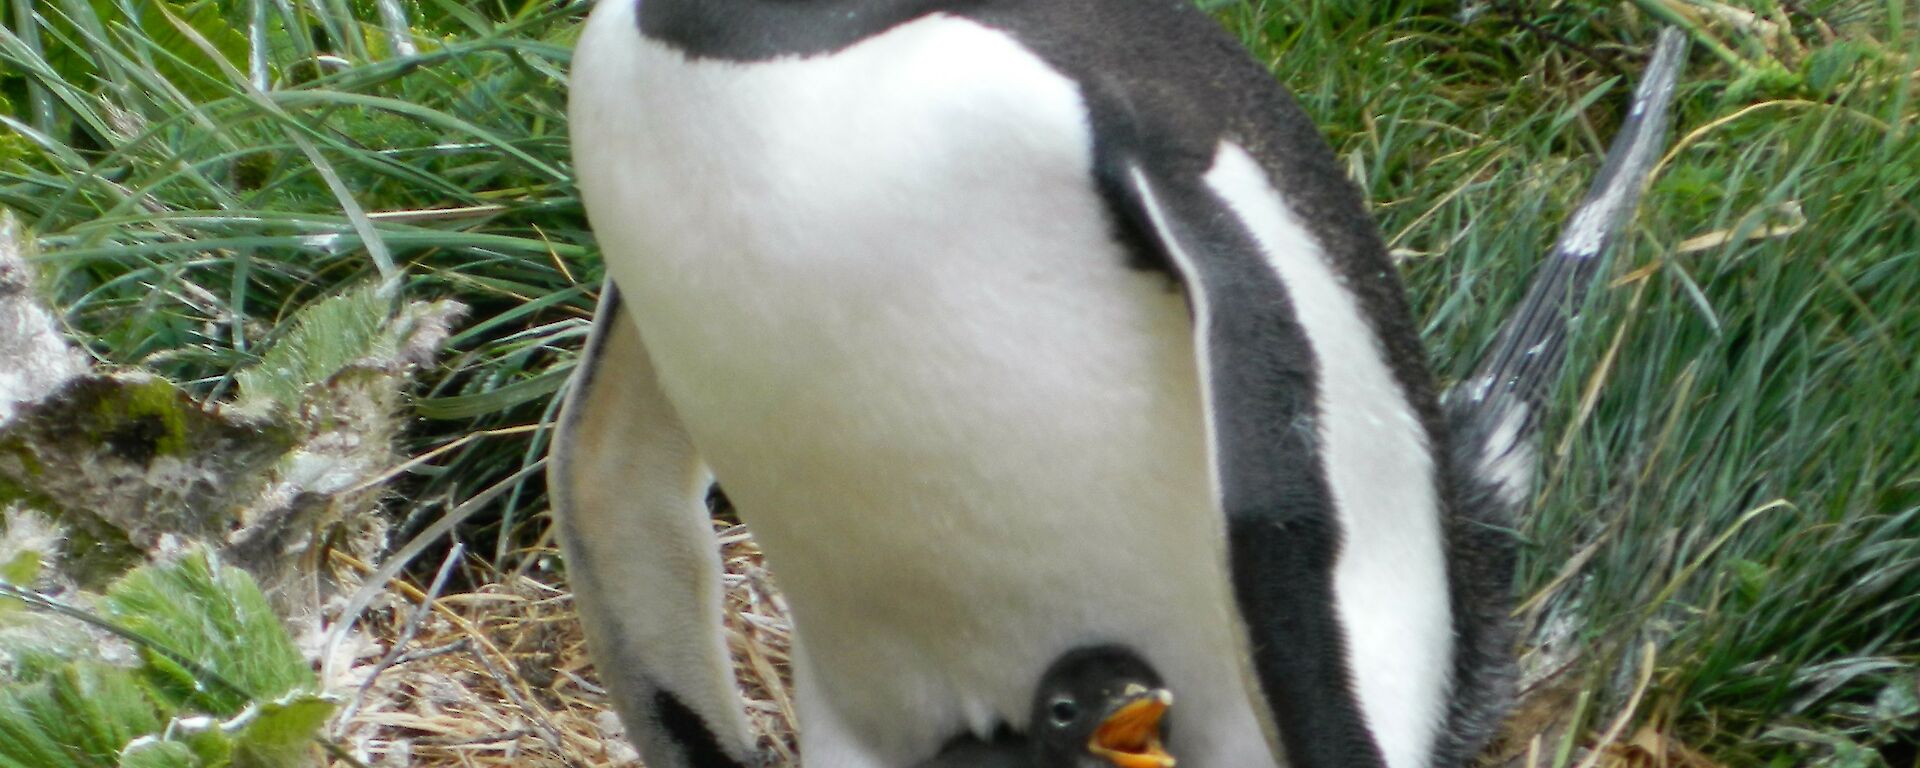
x=500, y=676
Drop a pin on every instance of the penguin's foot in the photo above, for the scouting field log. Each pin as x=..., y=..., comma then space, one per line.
x=1130, y=736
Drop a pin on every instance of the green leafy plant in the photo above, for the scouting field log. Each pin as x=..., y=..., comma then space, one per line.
x=218, y=682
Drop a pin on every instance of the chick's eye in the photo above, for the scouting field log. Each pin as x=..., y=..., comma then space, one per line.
x=1064, y=710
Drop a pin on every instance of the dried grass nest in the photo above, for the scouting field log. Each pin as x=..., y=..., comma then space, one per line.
x=500, y=676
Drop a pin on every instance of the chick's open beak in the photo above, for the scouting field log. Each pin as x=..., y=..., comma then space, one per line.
x=1130, y=737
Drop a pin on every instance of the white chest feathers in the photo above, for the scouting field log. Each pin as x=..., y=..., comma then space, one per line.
x=885, y=299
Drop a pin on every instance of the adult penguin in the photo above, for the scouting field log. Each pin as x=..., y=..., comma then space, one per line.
x=1012, y=326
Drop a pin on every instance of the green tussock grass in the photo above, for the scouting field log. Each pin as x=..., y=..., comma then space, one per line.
x=1732, y=474
x=187, y=215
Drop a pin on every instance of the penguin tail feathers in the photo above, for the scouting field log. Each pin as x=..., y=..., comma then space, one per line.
x=1493, y=416
x=1499, y=405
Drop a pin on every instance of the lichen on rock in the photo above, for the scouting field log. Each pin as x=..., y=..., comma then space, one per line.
x=125, y=459
x=129, y=465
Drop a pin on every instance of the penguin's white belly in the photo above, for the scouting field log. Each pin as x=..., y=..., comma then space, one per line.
x=881, y=292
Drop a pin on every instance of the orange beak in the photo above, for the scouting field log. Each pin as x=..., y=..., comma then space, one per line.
x=1130, y=737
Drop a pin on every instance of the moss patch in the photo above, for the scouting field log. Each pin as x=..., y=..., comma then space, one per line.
x=123, y=459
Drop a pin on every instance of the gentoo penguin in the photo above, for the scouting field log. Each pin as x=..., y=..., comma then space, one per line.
x=1097, y=707
x=1013, y=326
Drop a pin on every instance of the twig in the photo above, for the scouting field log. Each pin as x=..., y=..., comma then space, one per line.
x=407, y=631
x=1647, y=655
x=377, y=580
x=533, y=712
x=423, y=654
x=1519, y=17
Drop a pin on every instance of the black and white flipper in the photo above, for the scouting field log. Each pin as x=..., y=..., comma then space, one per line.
x=1317, y=413
x=1323, y=469
x=629, y=492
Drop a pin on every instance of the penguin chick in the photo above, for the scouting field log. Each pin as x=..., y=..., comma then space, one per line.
x=1098, y=707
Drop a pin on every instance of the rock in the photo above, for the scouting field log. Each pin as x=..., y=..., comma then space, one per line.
x=130, y=466
x=34, y=358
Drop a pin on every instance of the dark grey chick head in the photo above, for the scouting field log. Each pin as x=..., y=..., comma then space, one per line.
x=1096, y=707
x=1100, y=707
